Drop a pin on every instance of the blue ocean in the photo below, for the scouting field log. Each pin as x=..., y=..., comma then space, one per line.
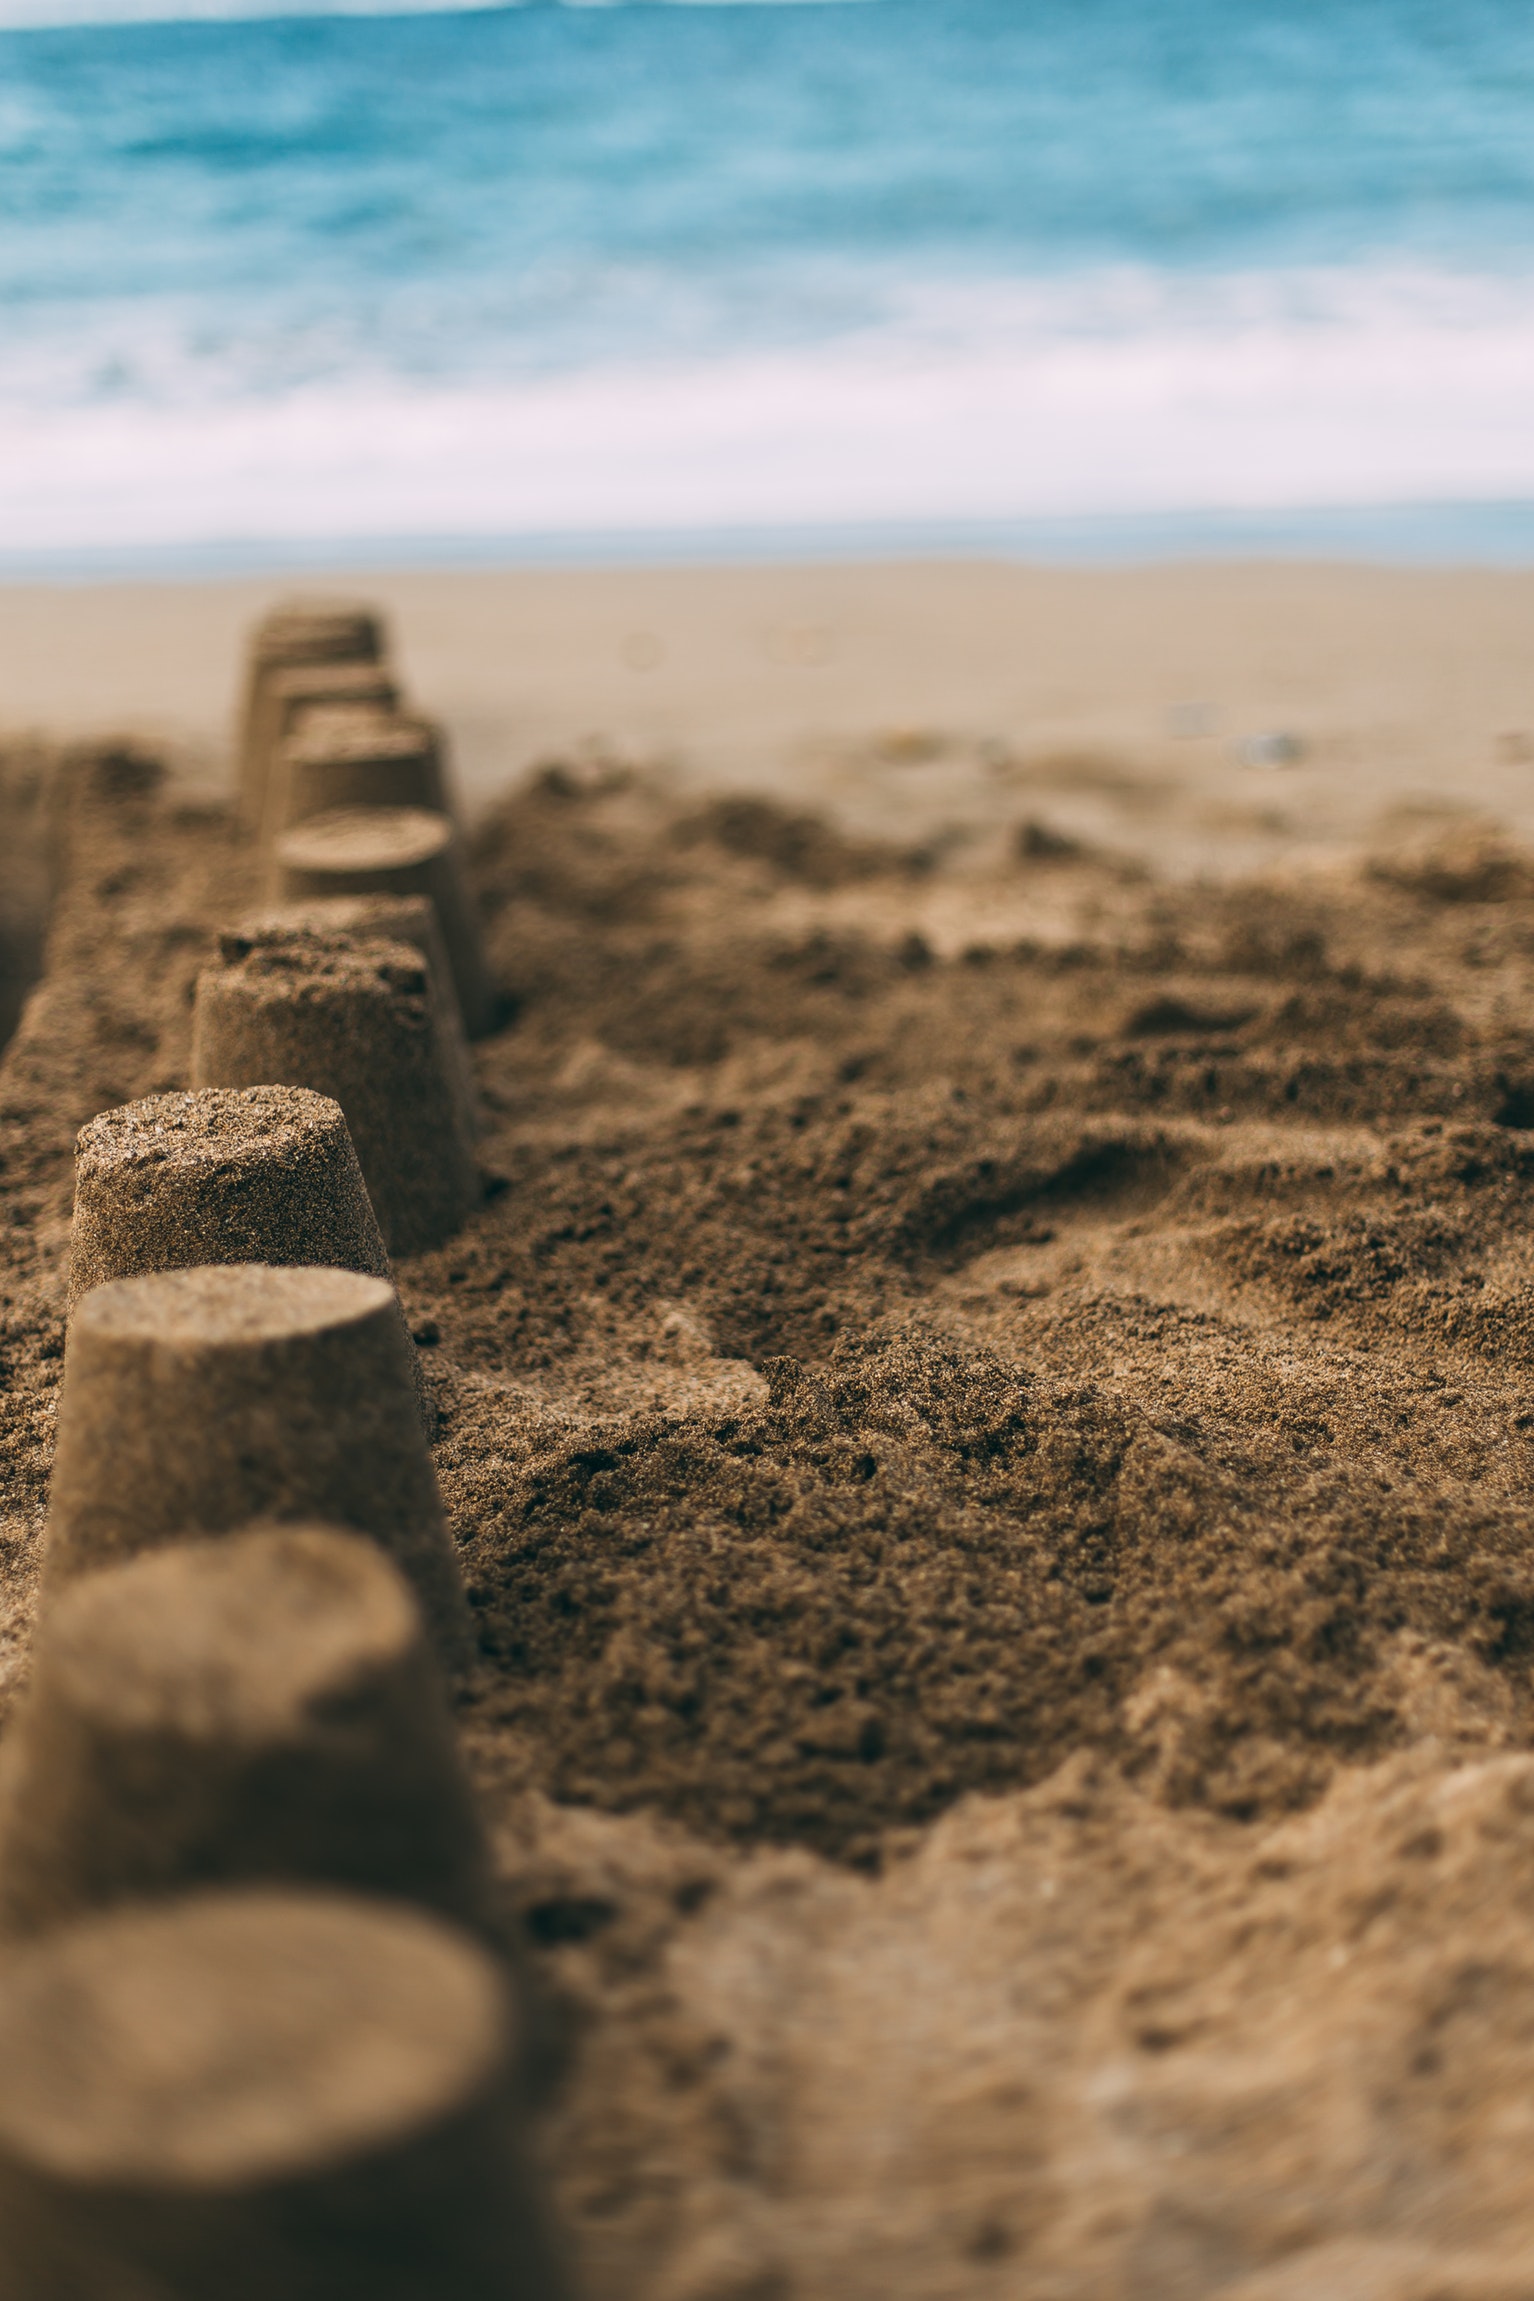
x=1064, y=274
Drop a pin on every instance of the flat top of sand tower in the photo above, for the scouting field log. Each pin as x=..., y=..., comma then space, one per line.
x=298, y=627
x=351, y=680
x=233, y=2038
x=307, y=719
x=241, y=1634
x=348, y=734
x=206, y=1127
x=366, y=839
x=288, y=960
x=233, y=1303
x=372, y=918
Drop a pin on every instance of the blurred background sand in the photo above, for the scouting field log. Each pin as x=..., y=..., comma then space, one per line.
x=1205, y=718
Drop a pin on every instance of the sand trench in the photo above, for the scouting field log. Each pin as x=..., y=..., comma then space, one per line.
x=994, y=1491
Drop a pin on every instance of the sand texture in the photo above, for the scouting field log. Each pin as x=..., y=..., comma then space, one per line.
x=987, y=1417
x=259, y=2092
x=907, y=696
x=181, y=1729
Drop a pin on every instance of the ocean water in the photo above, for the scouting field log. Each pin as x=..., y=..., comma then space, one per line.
x=1076, y=275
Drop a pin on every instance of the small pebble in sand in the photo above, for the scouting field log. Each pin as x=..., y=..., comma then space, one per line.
x=1036, y=842
x=910, y=746
x=262, y=1706
x=1273, y=747
x=265, y=2096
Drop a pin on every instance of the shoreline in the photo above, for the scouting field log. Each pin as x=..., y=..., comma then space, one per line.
x=1449, y=533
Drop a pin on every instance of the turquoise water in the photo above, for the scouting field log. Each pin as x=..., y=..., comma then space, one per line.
x=897, y=268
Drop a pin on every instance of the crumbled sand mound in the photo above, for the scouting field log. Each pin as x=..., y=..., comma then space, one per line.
x=996, y=1492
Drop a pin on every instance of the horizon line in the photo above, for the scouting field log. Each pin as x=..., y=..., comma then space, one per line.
x=1491, y=533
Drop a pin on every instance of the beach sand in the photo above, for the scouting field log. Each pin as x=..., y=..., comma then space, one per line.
x=907, y=697
x=987, y=1407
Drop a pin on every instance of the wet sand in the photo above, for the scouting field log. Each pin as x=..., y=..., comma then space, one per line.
x=987, y=1411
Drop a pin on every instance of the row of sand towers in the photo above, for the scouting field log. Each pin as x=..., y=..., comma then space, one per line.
x=260, y=2028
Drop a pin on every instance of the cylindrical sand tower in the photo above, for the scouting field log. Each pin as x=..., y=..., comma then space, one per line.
x=300, y=632
x=200, y=1401
x=377, y=918
x=294, y=698
x=232, y=1174
x=358, y=1022
x=338, y=760
x=392, y=851
x=264, y=1706
x=263, y=2096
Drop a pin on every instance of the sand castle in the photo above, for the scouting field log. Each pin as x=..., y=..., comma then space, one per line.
x=344, y=760
x=358, y=1021
x=301, y=637
x=277, y=2089
x=245, y=1174
x=389, y=919
x=200, y=1400
x=301, y=701
x=391, y=851
x=249, y=1174
x=264, y=1706
x=263, y=2095
x=987, y=1433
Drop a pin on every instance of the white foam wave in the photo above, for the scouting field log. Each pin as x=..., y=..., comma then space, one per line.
x=1249, y=398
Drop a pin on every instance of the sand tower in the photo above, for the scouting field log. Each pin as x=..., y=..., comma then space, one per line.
x=377, y=919
x=392, y=851
x=346, y=759
x=358, y=1022
x=230, y=1174
x=200, y=1401
x=298, y=633
x=295, y=698
x=264, y=1706
x=227, y=1174
x=263, y=2095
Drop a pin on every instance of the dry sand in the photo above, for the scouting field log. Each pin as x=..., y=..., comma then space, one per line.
x=905, y=695
x=987, y=1409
